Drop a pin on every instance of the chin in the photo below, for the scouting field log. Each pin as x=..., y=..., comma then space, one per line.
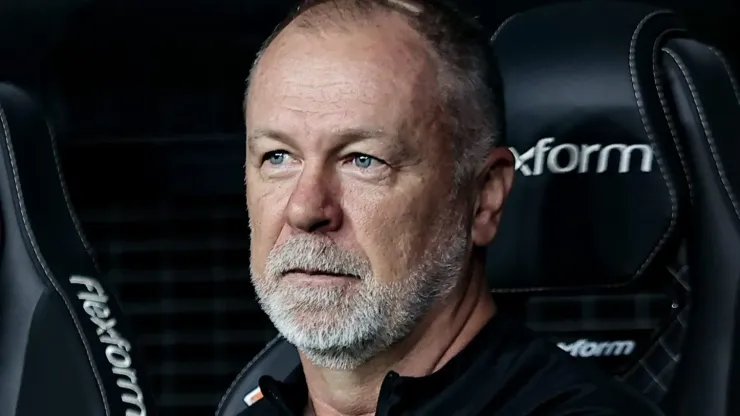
x=326, y=327
x=334, y=347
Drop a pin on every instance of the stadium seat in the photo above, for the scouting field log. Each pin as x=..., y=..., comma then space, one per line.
x=608, y=247
x=65, y=348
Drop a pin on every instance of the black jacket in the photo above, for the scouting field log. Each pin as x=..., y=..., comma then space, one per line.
x=505, y=371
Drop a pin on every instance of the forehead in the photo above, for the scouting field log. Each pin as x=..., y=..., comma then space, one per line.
x=374, y=71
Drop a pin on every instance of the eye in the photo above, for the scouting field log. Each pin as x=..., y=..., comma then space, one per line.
x=363, y=161
x=275, y=158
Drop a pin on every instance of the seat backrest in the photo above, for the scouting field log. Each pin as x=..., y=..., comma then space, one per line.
x=644, y=282
x=593, y=251
x=705, y=97
x=64, y=346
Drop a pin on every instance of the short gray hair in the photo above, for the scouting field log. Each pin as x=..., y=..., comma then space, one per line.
x=468, y=77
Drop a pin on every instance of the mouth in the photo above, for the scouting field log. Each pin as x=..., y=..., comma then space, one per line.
x=317, y=274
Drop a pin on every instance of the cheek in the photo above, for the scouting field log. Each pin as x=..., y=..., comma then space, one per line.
x=265, y=214
x=393, y=231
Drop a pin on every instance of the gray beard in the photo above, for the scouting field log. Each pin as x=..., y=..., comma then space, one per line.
x=343, y=327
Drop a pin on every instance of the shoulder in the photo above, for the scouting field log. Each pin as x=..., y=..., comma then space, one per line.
x=548, y=381
x=570, y=385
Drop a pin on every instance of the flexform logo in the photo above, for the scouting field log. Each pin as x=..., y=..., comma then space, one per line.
x=117, y=347
x=583, y=158
x=585, y=348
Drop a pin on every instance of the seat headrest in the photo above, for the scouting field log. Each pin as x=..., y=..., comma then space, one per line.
x=599, y=181
x=63, y=337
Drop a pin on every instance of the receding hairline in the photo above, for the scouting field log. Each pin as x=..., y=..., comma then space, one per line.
x=334, y=12
x=318, y=21
x=329, y=16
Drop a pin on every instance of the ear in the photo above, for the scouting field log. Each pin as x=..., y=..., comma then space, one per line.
x=493, y=186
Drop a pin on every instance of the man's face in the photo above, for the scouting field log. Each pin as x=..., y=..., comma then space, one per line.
x=354, y=229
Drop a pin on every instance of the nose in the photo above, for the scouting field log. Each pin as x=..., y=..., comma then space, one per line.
x=313, y=205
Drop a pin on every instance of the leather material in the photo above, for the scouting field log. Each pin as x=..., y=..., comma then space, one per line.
x=64, y=346
x=706, y=99
x=597, y=164
x=600, y=202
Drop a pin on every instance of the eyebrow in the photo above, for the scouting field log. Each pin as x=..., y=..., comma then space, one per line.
x=267, y=134
x=348, y=133
x=346, y=136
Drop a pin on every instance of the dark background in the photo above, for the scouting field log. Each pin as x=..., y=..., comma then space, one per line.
x=146, y=99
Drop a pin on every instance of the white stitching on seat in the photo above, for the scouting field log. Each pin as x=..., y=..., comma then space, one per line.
x=651, y=137
x=733, y=82
x=649, y=352
x=653, y=376
x=669, y=117
x=42, y=262
x=504, y=23
x=707, y=130
x=244, y=370
x=70, y=209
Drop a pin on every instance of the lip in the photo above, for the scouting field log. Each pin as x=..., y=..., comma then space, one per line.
x=319, y=278
x=317, y=273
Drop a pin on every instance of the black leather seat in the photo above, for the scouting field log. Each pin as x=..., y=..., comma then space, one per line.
x=64, y=346
x=705, y=95
x=592, y=250
x=607, y=245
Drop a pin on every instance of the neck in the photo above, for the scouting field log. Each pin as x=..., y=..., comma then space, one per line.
x=444, y=332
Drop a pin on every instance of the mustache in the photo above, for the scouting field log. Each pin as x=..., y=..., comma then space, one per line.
x=308, y=253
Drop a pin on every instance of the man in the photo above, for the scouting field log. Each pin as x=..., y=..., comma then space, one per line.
x=374, y=180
